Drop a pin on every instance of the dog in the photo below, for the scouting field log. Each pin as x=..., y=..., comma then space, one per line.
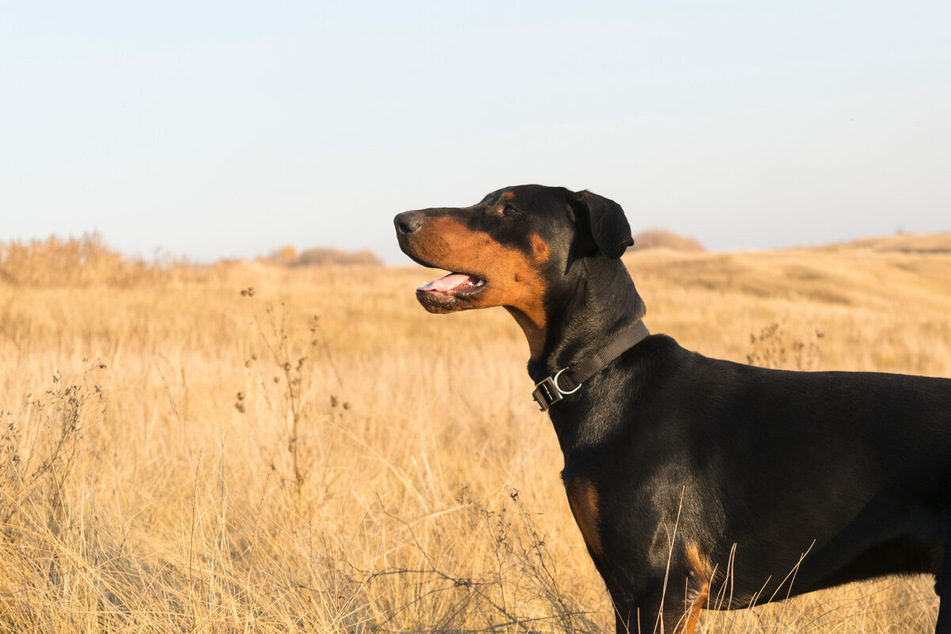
x=689, y=477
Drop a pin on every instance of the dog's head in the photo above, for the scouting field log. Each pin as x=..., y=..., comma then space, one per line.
x=511, y=248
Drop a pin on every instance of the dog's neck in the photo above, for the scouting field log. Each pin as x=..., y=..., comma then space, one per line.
x=599, y=299
x=534, y=333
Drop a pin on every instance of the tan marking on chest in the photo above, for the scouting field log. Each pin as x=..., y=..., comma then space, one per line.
x=698, y=588
x=584, y=499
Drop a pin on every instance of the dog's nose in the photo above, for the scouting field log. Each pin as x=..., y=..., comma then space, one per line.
x=408, y=222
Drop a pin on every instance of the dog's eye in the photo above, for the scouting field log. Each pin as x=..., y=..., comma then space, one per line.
x=509, y=210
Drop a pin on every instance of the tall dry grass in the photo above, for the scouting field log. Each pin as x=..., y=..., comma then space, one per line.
x=247, y=447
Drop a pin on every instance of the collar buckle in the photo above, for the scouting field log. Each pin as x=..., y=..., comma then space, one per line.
x=548, y=392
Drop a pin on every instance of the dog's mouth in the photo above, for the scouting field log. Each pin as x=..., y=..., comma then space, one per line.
x=454, y=285
x=449, y=293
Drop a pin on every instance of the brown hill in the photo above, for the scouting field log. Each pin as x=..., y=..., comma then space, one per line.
x=288, y=256
x=664, y=239
x=900, y=243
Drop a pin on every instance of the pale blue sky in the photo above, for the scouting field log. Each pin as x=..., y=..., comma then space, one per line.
x=230, y=129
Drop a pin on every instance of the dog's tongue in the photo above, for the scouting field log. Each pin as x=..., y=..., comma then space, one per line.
x=447, y=283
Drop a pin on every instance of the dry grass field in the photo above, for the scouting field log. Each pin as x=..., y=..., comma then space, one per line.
x=250, y=448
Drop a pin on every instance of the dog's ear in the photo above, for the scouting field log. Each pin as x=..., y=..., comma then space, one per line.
x=604, y=221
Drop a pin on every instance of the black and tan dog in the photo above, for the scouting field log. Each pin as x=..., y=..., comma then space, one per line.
x=693, y=478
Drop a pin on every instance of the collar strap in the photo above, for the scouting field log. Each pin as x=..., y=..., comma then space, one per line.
x=568, y=380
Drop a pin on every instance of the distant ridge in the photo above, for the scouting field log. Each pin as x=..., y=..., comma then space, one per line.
x=288, y=256
x=900, y=243
x=664, y=239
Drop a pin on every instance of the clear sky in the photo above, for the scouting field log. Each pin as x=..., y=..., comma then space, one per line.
x=230, y=129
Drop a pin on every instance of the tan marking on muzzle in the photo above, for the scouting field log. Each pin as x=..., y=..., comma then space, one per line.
x=513, y=278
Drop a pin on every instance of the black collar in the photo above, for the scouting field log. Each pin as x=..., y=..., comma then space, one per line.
x=568, y=380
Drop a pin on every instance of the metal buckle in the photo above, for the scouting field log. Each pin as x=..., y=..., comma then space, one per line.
x=558, y=387
x=548, y=392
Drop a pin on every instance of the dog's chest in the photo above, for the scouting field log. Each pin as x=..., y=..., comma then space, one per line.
x=584, y=500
